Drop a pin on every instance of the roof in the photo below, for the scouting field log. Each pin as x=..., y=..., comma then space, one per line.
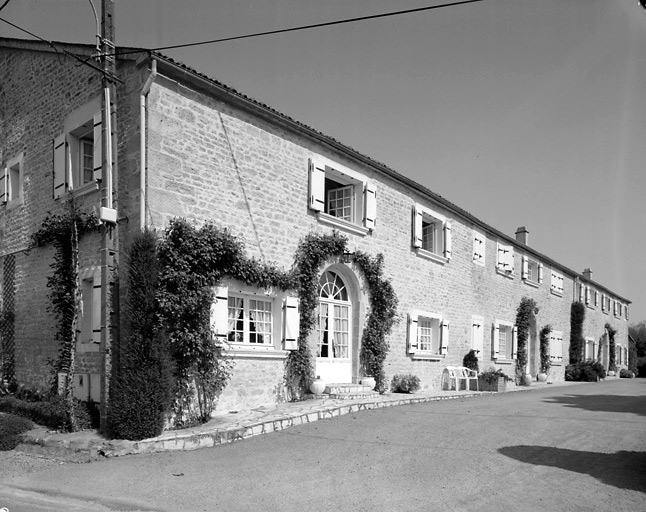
x=203, y=81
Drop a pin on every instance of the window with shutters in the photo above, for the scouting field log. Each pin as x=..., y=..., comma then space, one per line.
x=89, y=322
x=504, y=344
x=341, y=197
x=532, y=272
x=247, y=318
x=77, y=151
x=11, y=183
x=556, y=284
x=505, y=260
x=588, y=296
x=431, y=234
x=590, y=349
x=428, y=335
x=479, y=248
x=556, y=347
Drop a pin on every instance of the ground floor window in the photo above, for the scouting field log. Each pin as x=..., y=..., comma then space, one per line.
x=250, y=320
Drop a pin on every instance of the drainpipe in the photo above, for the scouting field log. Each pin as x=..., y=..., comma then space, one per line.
x=142, y=143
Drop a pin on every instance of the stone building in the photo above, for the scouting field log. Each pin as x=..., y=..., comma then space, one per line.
x=186, y=145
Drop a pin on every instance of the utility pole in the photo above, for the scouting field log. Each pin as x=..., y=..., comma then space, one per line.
x=108, y=210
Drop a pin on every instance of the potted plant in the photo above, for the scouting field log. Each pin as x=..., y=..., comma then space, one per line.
x=405, y=383
x=493, y=380
x=317, y=386
x=368, y=381
x=546, y=362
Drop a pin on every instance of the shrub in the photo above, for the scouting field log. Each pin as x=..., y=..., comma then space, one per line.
x=11, y=428
x=492, y=375
x=626, y=374
x=470, y=360
x=585, y=371
x=405, y=383
x=51, y=413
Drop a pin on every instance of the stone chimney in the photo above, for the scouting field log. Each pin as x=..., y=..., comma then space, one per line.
x=522, y=235
x=587, y=273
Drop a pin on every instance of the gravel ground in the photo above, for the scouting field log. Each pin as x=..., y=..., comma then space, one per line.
x=14, y=463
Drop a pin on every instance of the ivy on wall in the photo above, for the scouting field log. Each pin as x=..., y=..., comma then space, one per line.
x=577, y=343
x=524, y=317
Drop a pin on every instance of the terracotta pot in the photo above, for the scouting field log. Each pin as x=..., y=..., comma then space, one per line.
x=369, y=381
x=542, y=377
x=317, y=386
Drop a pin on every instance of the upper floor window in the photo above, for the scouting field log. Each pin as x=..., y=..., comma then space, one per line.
x=504, y=344
x=431, y=234
x=505, y=259
x=479, y=248
x=428, y=334
x=77, y=151
x=556, y=285
x=532, y=271
x=11, y=182
x=341, y=197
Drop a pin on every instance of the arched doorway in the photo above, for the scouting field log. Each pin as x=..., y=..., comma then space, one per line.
x=334, y=346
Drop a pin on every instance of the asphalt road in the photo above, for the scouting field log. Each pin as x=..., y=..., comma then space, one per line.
x=580, y=447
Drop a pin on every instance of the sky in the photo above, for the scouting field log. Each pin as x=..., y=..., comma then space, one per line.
x=523, y=112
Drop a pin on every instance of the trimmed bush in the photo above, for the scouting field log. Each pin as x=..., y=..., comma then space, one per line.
x=51, y=412
x=626, y=374
x=585, y=371
x=11, y=428
x=470, y=361
x=405, y=383
x=577, y=341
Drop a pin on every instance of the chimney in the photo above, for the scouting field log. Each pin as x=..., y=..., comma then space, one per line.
x=522, y=235
x=587, y=273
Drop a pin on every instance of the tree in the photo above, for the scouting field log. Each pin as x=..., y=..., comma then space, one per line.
x=637, y=355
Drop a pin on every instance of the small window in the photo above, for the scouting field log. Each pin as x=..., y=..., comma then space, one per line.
x=532, y=271
x=505, y=259
x=479, y=248
x=250, y=321
x=11, y=183
x=342, y=198
x=428, y=335
x=431, y=234
x=556, y=346
x=556, y=286
x=504, y=340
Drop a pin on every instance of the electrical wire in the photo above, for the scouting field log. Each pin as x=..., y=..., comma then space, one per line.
x=4, y=4
x=303, y=27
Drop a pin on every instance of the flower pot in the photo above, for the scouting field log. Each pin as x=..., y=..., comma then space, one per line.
x=542, y=377
x=499, y=385
x=611, y=373
x=369, y=381
x=317, y=386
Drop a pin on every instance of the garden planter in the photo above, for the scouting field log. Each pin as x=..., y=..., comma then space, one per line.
x=317, y=387
x=369, y=381
x=611, y=373
x=542, y=377
x=499, y=385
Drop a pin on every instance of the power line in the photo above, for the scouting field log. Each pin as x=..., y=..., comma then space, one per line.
x=4, y=4
x=303, y=27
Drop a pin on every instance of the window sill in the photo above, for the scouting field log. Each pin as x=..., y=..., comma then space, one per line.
x=590, y=306
x=533, y=284
x=84, y=190
x=14, y=204
x=558, y=294
x=420, y=356
x=239, y=352
x=423, y=253
x=505, y=273
x=335, y=222
x=479, y=262
x=505, y=361
x=605, y=312
x=556, y=363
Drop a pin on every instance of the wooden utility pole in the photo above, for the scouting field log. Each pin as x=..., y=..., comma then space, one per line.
x=108, y=211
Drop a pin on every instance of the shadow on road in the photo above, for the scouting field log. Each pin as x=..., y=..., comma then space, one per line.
x=604, y=403
x=624, y=469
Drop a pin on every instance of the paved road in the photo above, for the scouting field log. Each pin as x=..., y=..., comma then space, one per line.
x=581, y=447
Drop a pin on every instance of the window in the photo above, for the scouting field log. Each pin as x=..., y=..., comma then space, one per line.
x=341, y=197
x=248, y=318
x=11, y=182
x=505, y=259
x=504, y=340
x=590, y=349
x=605, y=303
x=89, y=325
x=556, y=286
x=477, y=336
x=431, y=234
x=596, y=298
x=532, y=271
x=77, y=151
x=479, y=248
x=428, y=335
x=556, y=346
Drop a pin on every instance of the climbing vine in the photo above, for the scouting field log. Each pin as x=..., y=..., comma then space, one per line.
x=544, y=338
x=524, y=316
x=577, y=343
x=64, y=231
x=612, y=347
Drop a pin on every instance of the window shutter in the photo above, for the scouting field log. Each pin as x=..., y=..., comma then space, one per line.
x=587, y=295
x=596, y=298
x=447, y=240
x=444, y=347
x=514, y=342
x=98, y=144
x=614, y=307
x=477, y=338
x=525, y=270
x=370, y=216
x=417, y=227
x=4, y=186
x=96, y=308
x=60, y=166
x=540, y=273
x=495, y=341
x=560, y=286
x=626, y=311
x=317, y=186
x=413, y=343
x=500, y=263
x=292, y=323
x=220, y=314
x=603, y=302
x=511, y=262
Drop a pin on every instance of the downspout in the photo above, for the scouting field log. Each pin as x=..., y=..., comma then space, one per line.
x=142, y=143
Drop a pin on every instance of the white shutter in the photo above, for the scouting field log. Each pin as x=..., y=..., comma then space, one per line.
x=581, y=292
x=614, y=307
x=4, y=186
x=514, y=342
x=500, y=261
x=495, y=341
x=98, y=144
x=370, y=216
x=596, y=298
x=525, y=269
x=447, y=240
x=512, y=265
x=540, y=273
x=626, y=306
x=603, y=302
x=560, y=286
x=444, y=347
x=413, y=344
x=317, y=186
x=587, y=295
x=220, y=314
x=417, y=227
x=477, y=336
x=292, y=323
x=60, y=166
x=96, y=308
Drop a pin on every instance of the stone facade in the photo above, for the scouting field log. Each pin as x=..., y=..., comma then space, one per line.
x=213, y=154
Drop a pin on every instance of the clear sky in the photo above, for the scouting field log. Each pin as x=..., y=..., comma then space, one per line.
x=523, y=112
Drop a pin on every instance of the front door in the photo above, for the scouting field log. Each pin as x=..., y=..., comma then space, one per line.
x=334, y=340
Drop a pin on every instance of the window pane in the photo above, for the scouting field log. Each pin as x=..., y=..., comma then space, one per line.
x=87, y=161
x=339, y=202
x=341, y=331
x=260, y=322
x=428, y=236
x=236, y=320
x=425, y=334
x=322, y=328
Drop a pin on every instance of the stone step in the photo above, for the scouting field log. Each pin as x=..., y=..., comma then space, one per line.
x=346, y=389
x=353, y=396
